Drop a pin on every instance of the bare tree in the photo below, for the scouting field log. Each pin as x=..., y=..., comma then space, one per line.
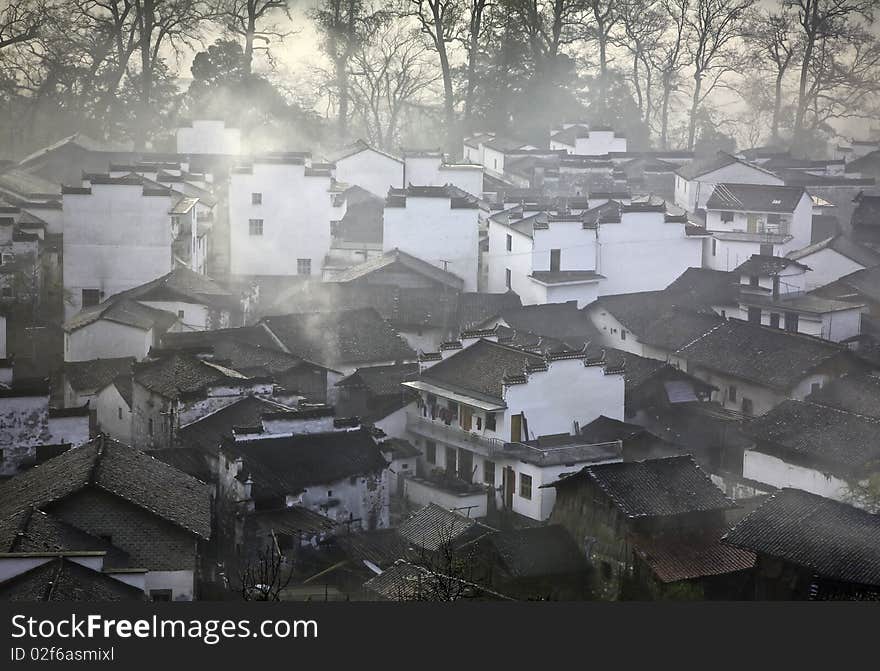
x=347, y=25
x=551, y=25
x=471, y=39
x=715, y=26
x=264, y=576
x=20, y=21
x=672, y=59
x=441, y=22
x=254, y=21
x=822, y=23
x=604, y=14
x=388, y=75
x=642, y=24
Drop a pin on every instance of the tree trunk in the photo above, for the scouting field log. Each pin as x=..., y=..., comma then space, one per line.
x=249, y=41
x=777, y=106
x=664, y=113
x=695, y=106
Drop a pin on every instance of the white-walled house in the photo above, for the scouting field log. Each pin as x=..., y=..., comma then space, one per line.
x=747, y=219
x=280, y=214
x=438, y=224
x=118, y=234
x=696, y=181
x=431, y=168
x=208, y=136
x=369, y=168
x=772, y=293
x=833, y=258
x=611, y=248
x=482, y=405
x=580, y=139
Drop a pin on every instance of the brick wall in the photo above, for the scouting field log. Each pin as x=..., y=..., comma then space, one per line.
x=152, y=543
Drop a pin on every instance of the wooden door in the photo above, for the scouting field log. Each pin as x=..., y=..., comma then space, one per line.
x=515, y=428
x=509, y=487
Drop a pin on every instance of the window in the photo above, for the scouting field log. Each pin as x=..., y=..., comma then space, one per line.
x=490, y=421
x=731, y=393
x=489, y=472
x=507, y=277
x=430, y=451
x=525, y=486
x=774, y=320
x=727, y=216
x=150, y=426
x=815, y=387
x=303, y=266
x=509, y=243
x=623, y=334
x=90, y=297
x=791, y=322
x=451, y=454
x=766, y=250
x=479, y=423
x=7, y=292
x=180, y=314
x=119, y=412
x=7, y=258
x=714, y=246
x=753, y=280
x=329, y=493
x=495, y=163
x=748, y=408
x=555, y=260
x=755, y=315
x=256, y=199
x=160, y=595
x=255, y=226
x=773, y=218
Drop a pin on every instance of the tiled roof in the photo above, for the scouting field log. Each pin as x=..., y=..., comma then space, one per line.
x=832, y=539
x=63, y=579
x=97, y=373
x=474, y=308
x=382, y=547
x=819, y=436
x=343, y=337
x=655, y=487
x=854, y=392
x=35, y=531
x=189, y=460
x=408, y=261
x=179, y=374
x=842, y=245
x=120, y=470
x=434, y=527
x=755, y=198
x=865, y=283
x=381, y=380
x=675, y=557
x=605, y=429
x=251, y=335
x=767, y=356
x=759, y=265
x=480, y=368
x=561, y=321
x=209, y=432
x=704, y=287
x=538, y=551
x=127, y=312
x=565, y=276
x=286, y=465
x=700, y=167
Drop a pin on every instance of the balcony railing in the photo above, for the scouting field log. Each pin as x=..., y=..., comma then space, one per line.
x=453, y=434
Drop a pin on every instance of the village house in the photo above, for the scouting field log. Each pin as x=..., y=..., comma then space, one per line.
x=271, y=233
x=343, y=341
x=32, y=431
x=861, y=288
x=120, y=233
x=833, y=258
x=208, y=136
x=817, y=448
x=583, y=140
x=132, y=322
x=748, y=219
x=369, y=168
x=64, y=161
x=374, y=394
x=695, y=182
x=771, y=292
x=173, y=389
x=438, y=224
x=653, y=529
x=858, y=393
x=491, y=149
x=811, y=548
x=755, y=368
x=479, y=404
x=434, y=168
x=155, y=514
x=548, y=257
x=340, y=473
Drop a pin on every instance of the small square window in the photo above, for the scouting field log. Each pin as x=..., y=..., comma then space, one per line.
x=256, y=199
x=490, y=421
x=90, y=297
x=255, y=226
x=180, y=314
x=303, y=266
x=727, y=216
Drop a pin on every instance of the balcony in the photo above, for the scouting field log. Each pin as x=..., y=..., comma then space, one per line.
x=453, y=435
